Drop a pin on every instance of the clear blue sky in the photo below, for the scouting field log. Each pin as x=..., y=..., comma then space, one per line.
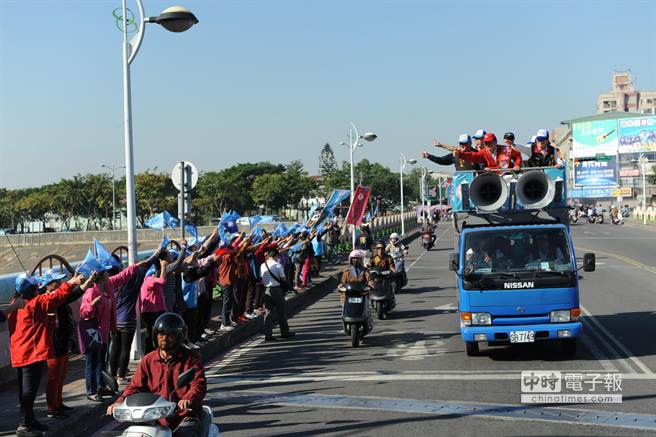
x=276, y=79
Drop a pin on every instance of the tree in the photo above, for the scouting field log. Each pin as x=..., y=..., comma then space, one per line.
x=652, y=176
x=154, y=193
x=327, y=162
x=270, y=190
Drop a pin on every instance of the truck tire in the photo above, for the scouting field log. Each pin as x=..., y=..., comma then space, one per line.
x=569, y=346
x=472, y=348
x=355, y=336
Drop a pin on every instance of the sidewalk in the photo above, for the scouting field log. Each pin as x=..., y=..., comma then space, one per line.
x=87, y=413
x=637, y=223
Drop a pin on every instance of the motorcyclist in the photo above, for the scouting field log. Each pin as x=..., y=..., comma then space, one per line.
x=397, y=249
x=159, y=369
x=428, y=228
x=381, y=260
x=354, y=272
x=615, y=215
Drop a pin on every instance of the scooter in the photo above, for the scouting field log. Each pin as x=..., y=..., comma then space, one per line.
x=400, y=278
x=428, y=240
x=573, y=216
x=616, y=220
x=383, y=299
x=599, y=219
x=356, y=314
x=145, y=409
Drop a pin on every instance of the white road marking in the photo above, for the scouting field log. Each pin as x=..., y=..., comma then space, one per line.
x=233, y=354
x=419, y=350
x=639, y=364
x=448, y=307
x=313, y=377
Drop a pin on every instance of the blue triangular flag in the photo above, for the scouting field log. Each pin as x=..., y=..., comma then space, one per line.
x=104, y=257
x=90, y=265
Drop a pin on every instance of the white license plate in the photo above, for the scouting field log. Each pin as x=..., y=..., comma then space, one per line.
x=522, y=336
x=355, y=300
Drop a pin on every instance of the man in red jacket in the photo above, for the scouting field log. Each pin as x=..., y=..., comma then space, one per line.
x=158, y=373
x=31, y=344
x=492, y=155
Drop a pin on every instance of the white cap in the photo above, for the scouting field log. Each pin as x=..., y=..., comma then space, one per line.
x=542, y=133
x=479, y=134
x=463, y=139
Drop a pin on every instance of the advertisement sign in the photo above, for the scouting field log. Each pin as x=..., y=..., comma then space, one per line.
x=637, y=135
x=584, y=193
x=629, y=172
x=595, y=173
x=593, y=137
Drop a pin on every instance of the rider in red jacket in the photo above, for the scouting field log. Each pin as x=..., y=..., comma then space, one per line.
x=492, y=155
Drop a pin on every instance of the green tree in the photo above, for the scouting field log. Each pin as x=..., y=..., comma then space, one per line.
x=327, y=162
x=154, y=193
x=270, y=190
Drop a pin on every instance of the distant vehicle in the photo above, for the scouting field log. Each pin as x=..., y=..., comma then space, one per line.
x=7, y=231
x=243, y=221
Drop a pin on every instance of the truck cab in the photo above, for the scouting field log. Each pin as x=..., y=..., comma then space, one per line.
x=517, y=273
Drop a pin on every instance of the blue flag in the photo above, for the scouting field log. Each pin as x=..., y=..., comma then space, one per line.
x=104, y=257
x=89, y=265
x=192, y=230
x=165, y=242
x=161, y=221
x=337, y=197
x=280, y=230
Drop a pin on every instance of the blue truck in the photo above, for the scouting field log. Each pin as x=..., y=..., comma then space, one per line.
x=517, y=273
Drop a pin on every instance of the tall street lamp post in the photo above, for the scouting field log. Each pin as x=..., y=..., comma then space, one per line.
x=174, y=19
x=354, y=142
x=642, y=161
x=422, y=185
x=113, y=169
x=403, y=161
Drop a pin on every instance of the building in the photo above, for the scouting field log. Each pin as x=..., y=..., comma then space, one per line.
x=603, y=153
x=623, y=97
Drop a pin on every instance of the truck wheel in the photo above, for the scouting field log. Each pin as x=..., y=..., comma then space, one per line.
x=569, y=346
x=355, y=336
x=472, y=348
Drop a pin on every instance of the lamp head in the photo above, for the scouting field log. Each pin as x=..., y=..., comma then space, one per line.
x=412, y=161
x=369, y=136
x=176, y=19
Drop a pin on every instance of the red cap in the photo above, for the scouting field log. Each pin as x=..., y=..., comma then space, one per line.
x=489, y=137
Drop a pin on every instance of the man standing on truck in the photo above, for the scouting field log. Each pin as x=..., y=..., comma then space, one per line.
x=464, y=143
x=492, y=156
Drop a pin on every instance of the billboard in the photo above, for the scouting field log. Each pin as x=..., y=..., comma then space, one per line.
x=594, y=137
x=593, y=173
x=637, y=135
x=583, y=193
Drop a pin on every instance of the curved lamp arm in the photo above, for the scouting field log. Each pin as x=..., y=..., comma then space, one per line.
x=135, y=42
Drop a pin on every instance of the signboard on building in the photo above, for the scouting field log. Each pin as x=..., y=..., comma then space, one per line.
x=595, y=173
x=637, y=135
x=586, y=193
x=629, y=172
x=594, y=137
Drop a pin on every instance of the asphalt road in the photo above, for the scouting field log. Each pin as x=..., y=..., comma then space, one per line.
x=412, y=376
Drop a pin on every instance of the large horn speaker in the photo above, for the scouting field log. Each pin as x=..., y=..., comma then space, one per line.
x=488, y=191
x=535, y=189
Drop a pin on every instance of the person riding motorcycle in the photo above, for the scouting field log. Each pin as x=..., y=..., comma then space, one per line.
x=354, y=272
x=396, y=249
x=158, y=371
x=381, y=260
x=428, y=228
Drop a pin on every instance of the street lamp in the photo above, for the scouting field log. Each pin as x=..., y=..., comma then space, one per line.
x=174, y=19
x=403, y=163
x=113, y=169
x=643, y=161
x=354, y=142
x=422, y=185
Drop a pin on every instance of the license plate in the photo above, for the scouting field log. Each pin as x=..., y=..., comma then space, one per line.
x=522, y=336
x=355, y=300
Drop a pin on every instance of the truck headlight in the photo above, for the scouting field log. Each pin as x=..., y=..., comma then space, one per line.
x=561, y=316
x=481, y=319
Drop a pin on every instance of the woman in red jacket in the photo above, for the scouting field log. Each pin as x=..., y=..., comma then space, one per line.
x=31, y=343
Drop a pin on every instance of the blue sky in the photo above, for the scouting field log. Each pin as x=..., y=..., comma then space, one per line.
x=276, y=79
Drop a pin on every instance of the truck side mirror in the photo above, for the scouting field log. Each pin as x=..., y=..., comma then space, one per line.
x=589, y=262
x=454, y=262
x=185, y=378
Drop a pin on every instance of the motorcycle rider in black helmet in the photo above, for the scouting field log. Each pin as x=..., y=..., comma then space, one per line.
x=159, y=370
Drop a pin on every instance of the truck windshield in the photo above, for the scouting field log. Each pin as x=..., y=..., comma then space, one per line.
x=518, y=251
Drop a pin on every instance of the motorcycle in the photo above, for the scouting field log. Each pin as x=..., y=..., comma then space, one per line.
x=428, y=240
x=573, y=216
x=599, y=219
x=145, y=409
x=383, y=299
x=400, y=278
x=616, y=220
x=356, y=313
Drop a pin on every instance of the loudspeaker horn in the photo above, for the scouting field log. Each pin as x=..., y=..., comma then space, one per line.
x=535, y=189
x=488, y=191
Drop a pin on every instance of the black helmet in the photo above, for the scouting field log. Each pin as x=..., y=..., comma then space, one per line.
x=170, y=323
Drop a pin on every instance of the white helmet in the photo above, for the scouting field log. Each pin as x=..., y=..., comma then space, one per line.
x=356, y=254
x=394, y=236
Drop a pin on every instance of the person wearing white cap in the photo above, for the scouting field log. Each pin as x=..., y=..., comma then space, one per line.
x=464, y=141
x=543, y=154
x=478, y=139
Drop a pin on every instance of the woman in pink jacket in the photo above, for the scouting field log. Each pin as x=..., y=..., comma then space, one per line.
x=98, y=302
x=153, y=302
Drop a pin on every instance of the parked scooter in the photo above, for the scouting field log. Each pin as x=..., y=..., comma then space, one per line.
x=383, y=299
x=356, y=314
x=145, y=409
